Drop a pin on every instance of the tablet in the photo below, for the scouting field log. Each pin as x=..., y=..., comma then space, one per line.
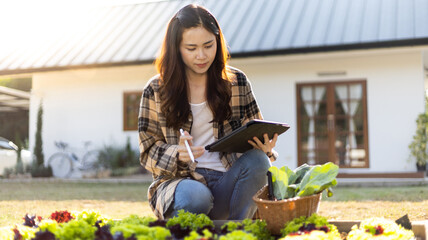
x=237, y=141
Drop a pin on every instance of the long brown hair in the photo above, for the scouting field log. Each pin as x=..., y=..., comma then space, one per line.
x=173, y=90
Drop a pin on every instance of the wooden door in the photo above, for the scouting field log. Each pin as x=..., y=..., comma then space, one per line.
x=332, y=123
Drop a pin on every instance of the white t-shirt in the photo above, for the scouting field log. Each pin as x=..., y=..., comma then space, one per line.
x=202, y=133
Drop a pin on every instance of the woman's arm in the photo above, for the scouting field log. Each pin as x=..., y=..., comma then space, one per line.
x=156, y=155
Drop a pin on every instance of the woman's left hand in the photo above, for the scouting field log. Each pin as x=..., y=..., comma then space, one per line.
x=268, y=144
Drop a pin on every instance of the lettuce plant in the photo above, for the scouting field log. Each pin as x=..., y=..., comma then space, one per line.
x=76, y=229
x=313, y=227
x=238, y=235
x=303, y=181
x=191, y=220
x=317, y=179
x=255, y=227
x=92, y=216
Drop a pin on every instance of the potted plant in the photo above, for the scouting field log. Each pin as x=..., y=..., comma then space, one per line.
x=419, y=146
x=293, y=194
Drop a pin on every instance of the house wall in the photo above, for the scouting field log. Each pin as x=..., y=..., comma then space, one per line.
x=395, y=90
x=86, y=105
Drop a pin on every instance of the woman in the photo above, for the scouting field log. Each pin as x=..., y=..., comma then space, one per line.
x=197, y=91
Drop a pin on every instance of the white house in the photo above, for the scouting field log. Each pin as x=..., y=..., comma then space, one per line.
x=349, y=76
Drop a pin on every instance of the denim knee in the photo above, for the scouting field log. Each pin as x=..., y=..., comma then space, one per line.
x=256, y=159
x=192, y=196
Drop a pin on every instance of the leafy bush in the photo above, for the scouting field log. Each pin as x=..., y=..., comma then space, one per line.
x=419, y=146
x=7, y=172
x=41, y=171
x=121, y=160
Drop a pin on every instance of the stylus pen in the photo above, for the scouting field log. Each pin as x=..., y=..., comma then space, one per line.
x=187, y=146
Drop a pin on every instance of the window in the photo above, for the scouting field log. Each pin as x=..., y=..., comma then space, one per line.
x=332, y=123
x=131, y=107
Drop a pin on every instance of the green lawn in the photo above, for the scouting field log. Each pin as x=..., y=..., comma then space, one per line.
x=118, y=200
x=115, y=200
x=60, y=191
x=394, y=194
x=353, y=203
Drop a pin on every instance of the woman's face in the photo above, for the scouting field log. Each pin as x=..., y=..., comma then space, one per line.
x=198, y=49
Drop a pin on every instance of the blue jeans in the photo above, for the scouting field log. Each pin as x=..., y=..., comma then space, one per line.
x=228, y=194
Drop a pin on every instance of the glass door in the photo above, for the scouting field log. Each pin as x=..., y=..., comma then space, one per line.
x=332, y=123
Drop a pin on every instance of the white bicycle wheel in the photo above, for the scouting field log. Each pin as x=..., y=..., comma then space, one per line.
x=61, y=164
x=90, y=160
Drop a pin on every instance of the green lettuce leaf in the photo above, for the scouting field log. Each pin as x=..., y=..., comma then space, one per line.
x=317, y=179
x=291, y=190
x=301, y=171
x=279, y=182
x=290, y=173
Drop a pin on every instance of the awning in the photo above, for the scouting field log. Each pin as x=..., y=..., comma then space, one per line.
x=12, y=100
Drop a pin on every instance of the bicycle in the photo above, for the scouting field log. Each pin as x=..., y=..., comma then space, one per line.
x=63, y=163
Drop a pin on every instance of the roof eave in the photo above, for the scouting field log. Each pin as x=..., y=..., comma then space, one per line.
x=332, y=48
x=273, y=52
x=73, y=67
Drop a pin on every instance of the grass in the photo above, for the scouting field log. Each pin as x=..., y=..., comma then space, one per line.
x=60, y=191
x=352, y=203
x=118, y=200
x=393, y=194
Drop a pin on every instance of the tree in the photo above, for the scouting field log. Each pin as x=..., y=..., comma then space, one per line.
x=38, y=147
x=38, y=168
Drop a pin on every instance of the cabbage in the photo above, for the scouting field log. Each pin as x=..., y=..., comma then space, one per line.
x=303, y=181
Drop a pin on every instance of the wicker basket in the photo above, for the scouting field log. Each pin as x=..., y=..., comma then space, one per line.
x=277, y=213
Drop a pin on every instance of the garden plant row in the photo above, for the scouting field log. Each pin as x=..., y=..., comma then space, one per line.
x=91, y=225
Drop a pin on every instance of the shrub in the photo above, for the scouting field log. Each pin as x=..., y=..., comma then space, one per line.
x=41, y=171
x=419, y=146
x=121, y=160
x=7, y=172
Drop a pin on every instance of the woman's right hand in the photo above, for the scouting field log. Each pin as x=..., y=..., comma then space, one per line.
x=183, y=154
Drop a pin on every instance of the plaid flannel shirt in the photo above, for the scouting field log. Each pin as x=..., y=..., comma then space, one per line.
x=158, y=143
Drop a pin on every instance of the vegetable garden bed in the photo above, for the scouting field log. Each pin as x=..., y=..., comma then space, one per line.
x=91, y=225
x=419, y=228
